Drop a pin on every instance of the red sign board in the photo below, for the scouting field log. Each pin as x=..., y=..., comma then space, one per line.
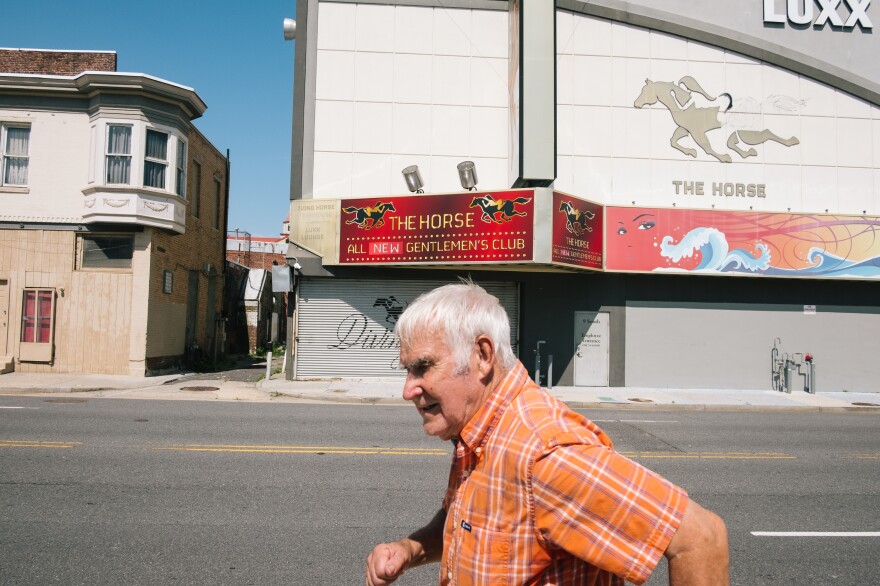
x=468, y=227
x=577, y=232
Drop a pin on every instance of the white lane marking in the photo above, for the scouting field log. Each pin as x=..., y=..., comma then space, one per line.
x=5, y=407
x=816, y=533
x=633, y=421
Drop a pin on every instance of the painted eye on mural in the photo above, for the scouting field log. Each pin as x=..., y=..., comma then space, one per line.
x=646, y=225
x=621, y=230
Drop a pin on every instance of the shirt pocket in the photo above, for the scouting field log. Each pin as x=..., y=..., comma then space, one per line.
x=484, y=557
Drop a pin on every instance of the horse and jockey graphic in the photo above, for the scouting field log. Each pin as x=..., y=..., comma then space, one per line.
x=369, y=217
x=499, y=210
x=575, y=219
x=697, y=121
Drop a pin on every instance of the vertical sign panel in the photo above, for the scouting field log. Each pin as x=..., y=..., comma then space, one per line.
x=577, y=232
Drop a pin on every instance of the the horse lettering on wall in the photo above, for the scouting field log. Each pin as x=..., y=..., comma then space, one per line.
x=697, y=121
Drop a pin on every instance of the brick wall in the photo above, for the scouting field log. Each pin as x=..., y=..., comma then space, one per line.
x=42, y=62
x=202, y=244
x=256, y=260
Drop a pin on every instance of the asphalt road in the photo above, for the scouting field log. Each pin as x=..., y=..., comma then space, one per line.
x=114, y=491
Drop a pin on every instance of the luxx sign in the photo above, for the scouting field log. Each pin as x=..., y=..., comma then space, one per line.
x=804, y=12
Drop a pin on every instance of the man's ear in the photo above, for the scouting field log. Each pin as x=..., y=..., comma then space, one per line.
x=485, y=354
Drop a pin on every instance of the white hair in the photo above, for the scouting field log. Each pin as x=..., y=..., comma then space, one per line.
x=463, y=311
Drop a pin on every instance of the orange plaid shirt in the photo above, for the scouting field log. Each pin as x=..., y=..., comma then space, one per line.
x=538, y=496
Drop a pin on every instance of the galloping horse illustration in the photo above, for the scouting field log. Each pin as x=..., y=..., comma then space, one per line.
x=392, y=306
x=575, y=220
x=363, y=216
x=696, y=121
x=498, y=210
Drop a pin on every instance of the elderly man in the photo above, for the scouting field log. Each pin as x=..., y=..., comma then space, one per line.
x=536, y=493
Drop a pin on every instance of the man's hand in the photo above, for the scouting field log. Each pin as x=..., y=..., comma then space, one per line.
x=387, y=563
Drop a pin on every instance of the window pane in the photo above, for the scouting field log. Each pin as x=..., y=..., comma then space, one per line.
x=118, y=140
x=118, y=169
x=17, y=140
x=28, y=316
x=107, y=252
x=157, y=145
x=154, y=174
x=45, y=317
x=181, y=168
x=15, y=171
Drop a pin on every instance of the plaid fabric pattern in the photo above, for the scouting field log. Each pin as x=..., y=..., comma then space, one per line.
x=538, y=496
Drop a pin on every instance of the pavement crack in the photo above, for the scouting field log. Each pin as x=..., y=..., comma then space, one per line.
x=657, y=438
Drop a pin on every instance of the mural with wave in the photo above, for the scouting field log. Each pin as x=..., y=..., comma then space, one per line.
x=742, y=243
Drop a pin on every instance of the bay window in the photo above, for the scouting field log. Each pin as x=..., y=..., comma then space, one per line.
x=118, y=155
x=14, y=146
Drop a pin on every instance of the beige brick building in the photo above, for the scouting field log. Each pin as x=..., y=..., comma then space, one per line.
x=113, y=213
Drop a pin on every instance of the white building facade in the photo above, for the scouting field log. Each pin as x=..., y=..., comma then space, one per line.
x=733, y=152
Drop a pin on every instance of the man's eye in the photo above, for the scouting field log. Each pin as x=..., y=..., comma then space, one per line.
x=621, y=230
x=647, y=225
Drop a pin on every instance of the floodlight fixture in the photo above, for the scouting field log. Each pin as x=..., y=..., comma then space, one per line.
x=413, y=179
x=289, y=29
x=467, y=174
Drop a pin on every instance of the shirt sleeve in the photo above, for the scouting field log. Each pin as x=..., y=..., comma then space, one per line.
x=605, y=509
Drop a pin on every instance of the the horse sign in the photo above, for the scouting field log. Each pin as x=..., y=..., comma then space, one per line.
x=697, y=121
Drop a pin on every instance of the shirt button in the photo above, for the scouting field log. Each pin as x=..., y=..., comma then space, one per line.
x=449, y=575
x=465, y=474
x=478, y=451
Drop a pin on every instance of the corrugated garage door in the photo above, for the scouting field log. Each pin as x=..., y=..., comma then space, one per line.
x=345, y=325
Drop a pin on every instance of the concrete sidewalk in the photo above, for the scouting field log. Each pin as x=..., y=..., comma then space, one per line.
x=189, y=386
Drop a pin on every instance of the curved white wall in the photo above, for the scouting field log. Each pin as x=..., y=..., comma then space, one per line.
x=610, y=151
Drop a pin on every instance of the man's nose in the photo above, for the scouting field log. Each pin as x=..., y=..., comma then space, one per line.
x=411, y=388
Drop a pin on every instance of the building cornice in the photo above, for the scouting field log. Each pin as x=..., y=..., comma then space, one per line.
x=91, y=83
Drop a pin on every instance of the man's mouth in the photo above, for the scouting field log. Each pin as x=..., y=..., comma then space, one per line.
x=430, y=409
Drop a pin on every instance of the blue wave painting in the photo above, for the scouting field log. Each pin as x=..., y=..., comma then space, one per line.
x=716, y=257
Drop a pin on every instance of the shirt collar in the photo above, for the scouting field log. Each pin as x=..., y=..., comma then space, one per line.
x=476, y=431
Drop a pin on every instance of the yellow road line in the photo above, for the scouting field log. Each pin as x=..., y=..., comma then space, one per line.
x=711, y=455
x=308, y=450
x=37, y=444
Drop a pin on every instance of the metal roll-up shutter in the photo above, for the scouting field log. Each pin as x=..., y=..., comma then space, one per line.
x=344, y=326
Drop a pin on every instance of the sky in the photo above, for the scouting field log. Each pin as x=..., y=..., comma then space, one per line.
x=231, y=52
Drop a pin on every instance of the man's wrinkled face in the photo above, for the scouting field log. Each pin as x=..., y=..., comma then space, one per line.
x=445, y=400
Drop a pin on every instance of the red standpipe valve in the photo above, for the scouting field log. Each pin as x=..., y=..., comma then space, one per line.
x=808, y=358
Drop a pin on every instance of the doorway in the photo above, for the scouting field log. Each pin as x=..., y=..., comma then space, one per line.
x=591, y=348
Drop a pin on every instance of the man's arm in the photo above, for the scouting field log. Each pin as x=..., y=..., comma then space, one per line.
x=388, y=561
x=698, y=552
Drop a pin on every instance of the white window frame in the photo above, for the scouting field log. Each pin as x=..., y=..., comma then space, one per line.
x=35, y=351
x=108, y=154
x=164, y=163
x=4, y=157
x=180, y=174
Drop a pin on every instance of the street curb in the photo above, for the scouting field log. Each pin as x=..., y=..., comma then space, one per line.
x=608, y=405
